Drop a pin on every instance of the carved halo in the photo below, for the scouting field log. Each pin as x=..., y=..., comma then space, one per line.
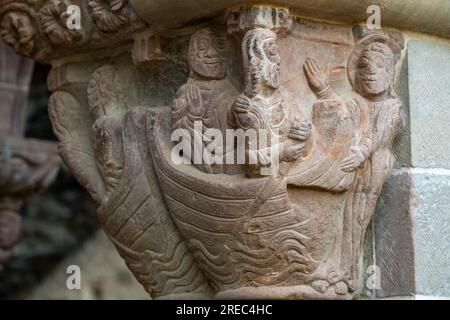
x=395, y=47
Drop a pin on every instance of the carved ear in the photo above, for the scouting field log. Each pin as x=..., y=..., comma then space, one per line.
x=72, y=126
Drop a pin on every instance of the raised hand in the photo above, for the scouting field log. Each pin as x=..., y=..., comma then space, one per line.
x=316, y=78
x=194, y=100
x=241, y=108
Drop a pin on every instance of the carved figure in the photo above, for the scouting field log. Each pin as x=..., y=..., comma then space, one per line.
x=378, y=115
x=265, y=105
x=106, y=102
x=208, y=96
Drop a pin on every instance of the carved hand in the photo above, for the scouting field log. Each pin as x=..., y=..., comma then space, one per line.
x=301, y=131
x=352, y=162
x=292, y=152
x=194, y=99
x=240, y=108
x=316, y=78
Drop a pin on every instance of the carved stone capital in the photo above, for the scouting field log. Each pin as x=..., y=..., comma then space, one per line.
x=143, y=113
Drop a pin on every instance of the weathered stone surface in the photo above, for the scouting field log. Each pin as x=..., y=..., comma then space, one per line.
x=287, y=221
x=430, y=212
x=414, y=15
x=104, y=276
x=429, y=96
x=393, y=237
x=295, y=220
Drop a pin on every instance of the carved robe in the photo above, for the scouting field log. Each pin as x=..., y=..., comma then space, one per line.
x=377, y=125
x=217, y=97
x=276, y=115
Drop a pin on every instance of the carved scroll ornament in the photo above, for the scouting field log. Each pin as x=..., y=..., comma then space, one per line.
x=288, y=221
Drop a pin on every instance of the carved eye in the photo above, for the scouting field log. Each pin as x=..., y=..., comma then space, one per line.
x=203, y=44
x=379, y=62
x=363, y=62
x=272, y=50
x=220, y=44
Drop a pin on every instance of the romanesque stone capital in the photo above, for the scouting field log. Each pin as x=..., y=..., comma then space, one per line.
x=234, y=152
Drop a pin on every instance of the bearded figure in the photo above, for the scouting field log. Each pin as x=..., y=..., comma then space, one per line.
x=378, y=116
x=265, y=106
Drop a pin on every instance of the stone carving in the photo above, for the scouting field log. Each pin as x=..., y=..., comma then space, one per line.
x=265, y=105
x=26, y=165
x=208, y=96
x=38, y=29
x=288, y=221
x=53, y=18
x=18, y=32
x=107, y=104
x=378, y=115
x=112, y=15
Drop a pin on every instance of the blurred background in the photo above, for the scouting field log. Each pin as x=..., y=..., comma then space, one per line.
x=59, y=229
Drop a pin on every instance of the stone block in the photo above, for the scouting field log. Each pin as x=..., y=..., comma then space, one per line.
x=429, y=96
x=430, y=212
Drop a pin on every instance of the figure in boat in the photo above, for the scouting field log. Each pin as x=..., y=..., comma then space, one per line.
x=206, y=98
x=266, y=108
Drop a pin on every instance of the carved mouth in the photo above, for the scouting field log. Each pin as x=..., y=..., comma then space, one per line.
x=212, y=62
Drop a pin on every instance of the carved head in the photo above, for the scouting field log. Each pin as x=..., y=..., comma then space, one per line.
x=376, y=70
x=207, y=54
x=261, y=60
x=371, y=67
x=105, y=93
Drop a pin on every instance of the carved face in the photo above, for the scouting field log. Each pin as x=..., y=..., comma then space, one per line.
x=207, y=54
x=374, y=75
x=104, y=93
x=261, y=60
x=271, y=69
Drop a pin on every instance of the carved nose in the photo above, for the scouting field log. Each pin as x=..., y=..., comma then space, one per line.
x=211, y=53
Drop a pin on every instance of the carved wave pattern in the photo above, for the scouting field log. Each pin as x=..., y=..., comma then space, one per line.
x=239, y=237
x=137, y=222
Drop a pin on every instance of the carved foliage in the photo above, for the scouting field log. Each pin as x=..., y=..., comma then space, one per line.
x=53, y=22
x=18, y=31
x=113, y=15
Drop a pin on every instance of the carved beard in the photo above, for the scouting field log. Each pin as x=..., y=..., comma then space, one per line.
x=271, y=75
